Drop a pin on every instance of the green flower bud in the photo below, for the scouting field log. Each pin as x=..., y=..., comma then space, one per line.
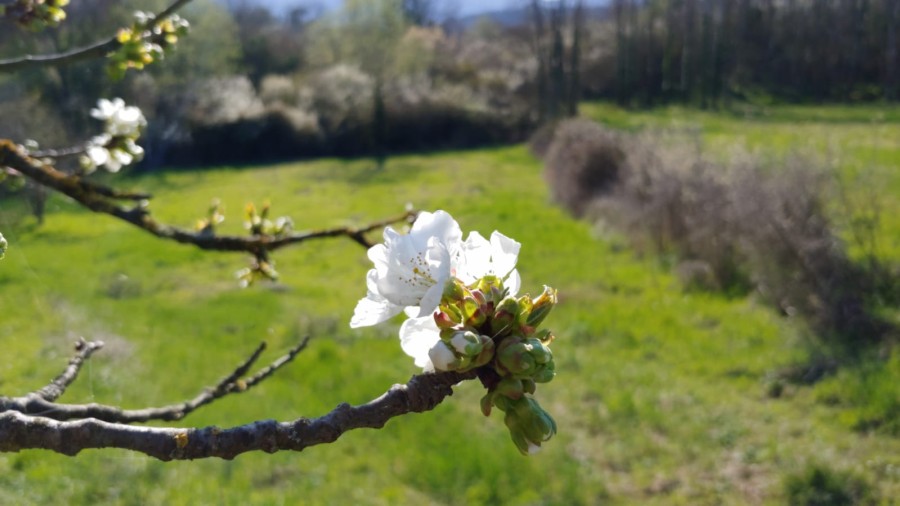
x=487, y=403
x=544, y=336
x=473, y=314
x=454, y=292
x=542, y=306
x=511, y=388
x=504, y=320
x=545, y=374
x=513, y=358
x=490, y=285
x=525, y=359
x=541, y=353
x=525, y=306
x=529, y=425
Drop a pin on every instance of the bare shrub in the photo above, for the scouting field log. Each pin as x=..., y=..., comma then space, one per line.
x=738, y=226
x=541, y=139
x=796, y=257
x=671, y=199
x=584, y=161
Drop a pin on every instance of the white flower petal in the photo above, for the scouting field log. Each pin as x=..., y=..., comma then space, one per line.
x=373, y=309
x=438, y=224
x=417, y=337
x=504, y=253
x=430, y=300
x=98, y=155
x=513, y=282
x=480, y=257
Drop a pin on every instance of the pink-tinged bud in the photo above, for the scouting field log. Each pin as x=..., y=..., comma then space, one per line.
x=443, y=320
x=504, y=320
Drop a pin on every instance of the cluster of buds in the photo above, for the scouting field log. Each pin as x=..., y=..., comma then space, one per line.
x=483, y=327
x=144, y=42
x=214, y=216
x=261, y=268
x=35, y=14
x=116, y=146
x=258, y=223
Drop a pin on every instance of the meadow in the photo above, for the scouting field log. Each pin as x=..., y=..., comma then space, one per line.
x=662, y=396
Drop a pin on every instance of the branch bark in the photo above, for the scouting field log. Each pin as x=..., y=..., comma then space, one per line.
x=422, y=393
x=95, y=50
x=36, y=404
x=57, y=387
x=102, y=200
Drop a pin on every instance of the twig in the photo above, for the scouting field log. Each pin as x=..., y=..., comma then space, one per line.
x=96, y=50
x=57, y=387
x=36, y=405
x=422, y=393
x=96, y=198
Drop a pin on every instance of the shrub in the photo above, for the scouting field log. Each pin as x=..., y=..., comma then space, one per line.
x=223, y=100
x=734, y=227
x=818, y=485
x=583, y=161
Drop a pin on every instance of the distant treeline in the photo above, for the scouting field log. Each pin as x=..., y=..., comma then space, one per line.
x=706, y=51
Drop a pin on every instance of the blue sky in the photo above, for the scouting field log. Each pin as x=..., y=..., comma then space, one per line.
x=462, y=7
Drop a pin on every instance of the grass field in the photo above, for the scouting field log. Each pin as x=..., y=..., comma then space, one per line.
x=661, y=396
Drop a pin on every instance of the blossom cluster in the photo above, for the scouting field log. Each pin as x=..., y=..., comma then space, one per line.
x=146, y=41
x=460, y=297
x=259, y=224
x=35, y=14
x=3, y=246
x=115, y=147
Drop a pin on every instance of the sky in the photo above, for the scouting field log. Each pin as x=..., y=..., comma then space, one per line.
x=461, y=7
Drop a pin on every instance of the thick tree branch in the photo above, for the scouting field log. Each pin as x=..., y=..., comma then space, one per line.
x=422, y=393
x=57, y=387
x=96, y=50
x=36, y=404
x=100, y=199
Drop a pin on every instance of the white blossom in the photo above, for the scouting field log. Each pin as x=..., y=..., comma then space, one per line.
x=410, y=270
x=497, y=257
x=121, y=120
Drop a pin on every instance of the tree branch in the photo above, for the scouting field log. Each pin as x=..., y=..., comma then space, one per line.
x=57, y=387
x=99, y=199
x=423, y=393
x=96, y=50
x=36, y=404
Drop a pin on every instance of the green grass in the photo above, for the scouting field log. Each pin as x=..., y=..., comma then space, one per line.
x=660, y=397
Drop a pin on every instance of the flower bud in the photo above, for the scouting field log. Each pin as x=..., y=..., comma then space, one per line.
x=511, y=388
x=454, y=292
x=542, y=306
x=443, y=320
x=525, y=306
x=529, y=425
x=490, y=285
x=513, y=358
x=466, y=343
x=442, y=357
x=504, y=320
